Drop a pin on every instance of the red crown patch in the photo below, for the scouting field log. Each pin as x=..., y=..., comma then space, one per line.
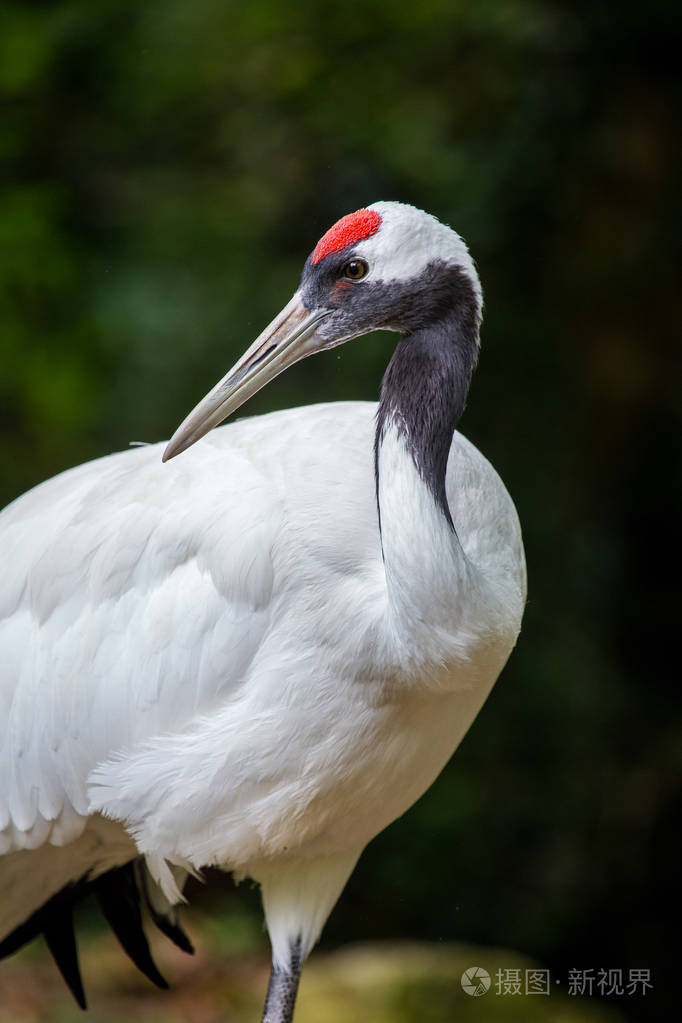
x=348, y=231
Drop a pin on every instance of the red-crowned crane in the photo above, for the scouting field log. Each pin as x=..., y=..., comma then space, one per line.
x=261, y=654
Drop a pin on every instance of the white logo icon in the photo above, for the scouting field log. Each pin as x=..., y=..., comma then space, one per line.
x=475, y=981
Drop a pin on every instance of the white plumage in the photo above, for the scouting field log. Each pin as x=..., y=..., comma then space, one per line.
x=209, y=661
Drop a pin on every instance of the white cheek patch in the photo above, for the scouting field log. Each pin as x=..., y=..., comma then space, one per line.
x=408, y=240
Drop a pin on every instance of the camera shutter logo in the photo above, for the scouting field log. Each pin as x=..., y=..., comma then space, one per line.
x=475, y=981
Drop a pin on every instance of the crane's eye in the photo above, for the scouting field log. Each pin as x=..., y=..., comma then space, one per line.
x=355, y=269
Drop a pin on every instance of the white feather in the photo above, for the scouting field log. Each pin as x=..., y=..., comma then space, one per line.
x=211, y=653
x=408, y=240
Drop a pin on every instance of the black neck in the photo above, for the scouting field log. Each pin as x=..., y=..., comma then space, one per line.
x=424, y=392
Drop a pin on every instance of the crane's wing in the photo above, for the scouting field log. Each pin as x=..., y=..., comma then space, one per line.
x=185, y=648
x=136, y=595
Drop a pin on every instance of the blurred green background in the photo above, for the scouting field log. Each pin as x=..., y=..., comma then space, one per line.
x=166, y=168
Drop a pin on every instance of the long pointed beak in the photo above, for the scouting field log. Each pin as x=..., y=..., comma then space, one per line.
x=290, y=337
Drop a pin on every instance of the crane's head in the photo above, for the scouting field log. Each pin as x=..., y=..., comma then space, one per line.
x=389, y=266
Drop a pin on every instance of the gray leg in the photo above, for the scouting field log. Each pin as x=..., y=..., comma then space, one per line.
x=281, y=996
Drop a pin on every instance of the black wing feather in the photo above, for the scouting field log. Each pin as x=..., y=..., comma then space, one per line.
x=119, y=898
x=120, y=901
x=54, y=920
x=61, y=941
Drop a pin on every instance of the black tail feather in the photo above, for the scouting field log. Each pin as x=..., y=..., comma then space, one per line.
x=22, y=934
x=167, y=921
x=172, y=930
x=120, y=901
x=54, y=920
x=119, y=898
x=61, y=941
